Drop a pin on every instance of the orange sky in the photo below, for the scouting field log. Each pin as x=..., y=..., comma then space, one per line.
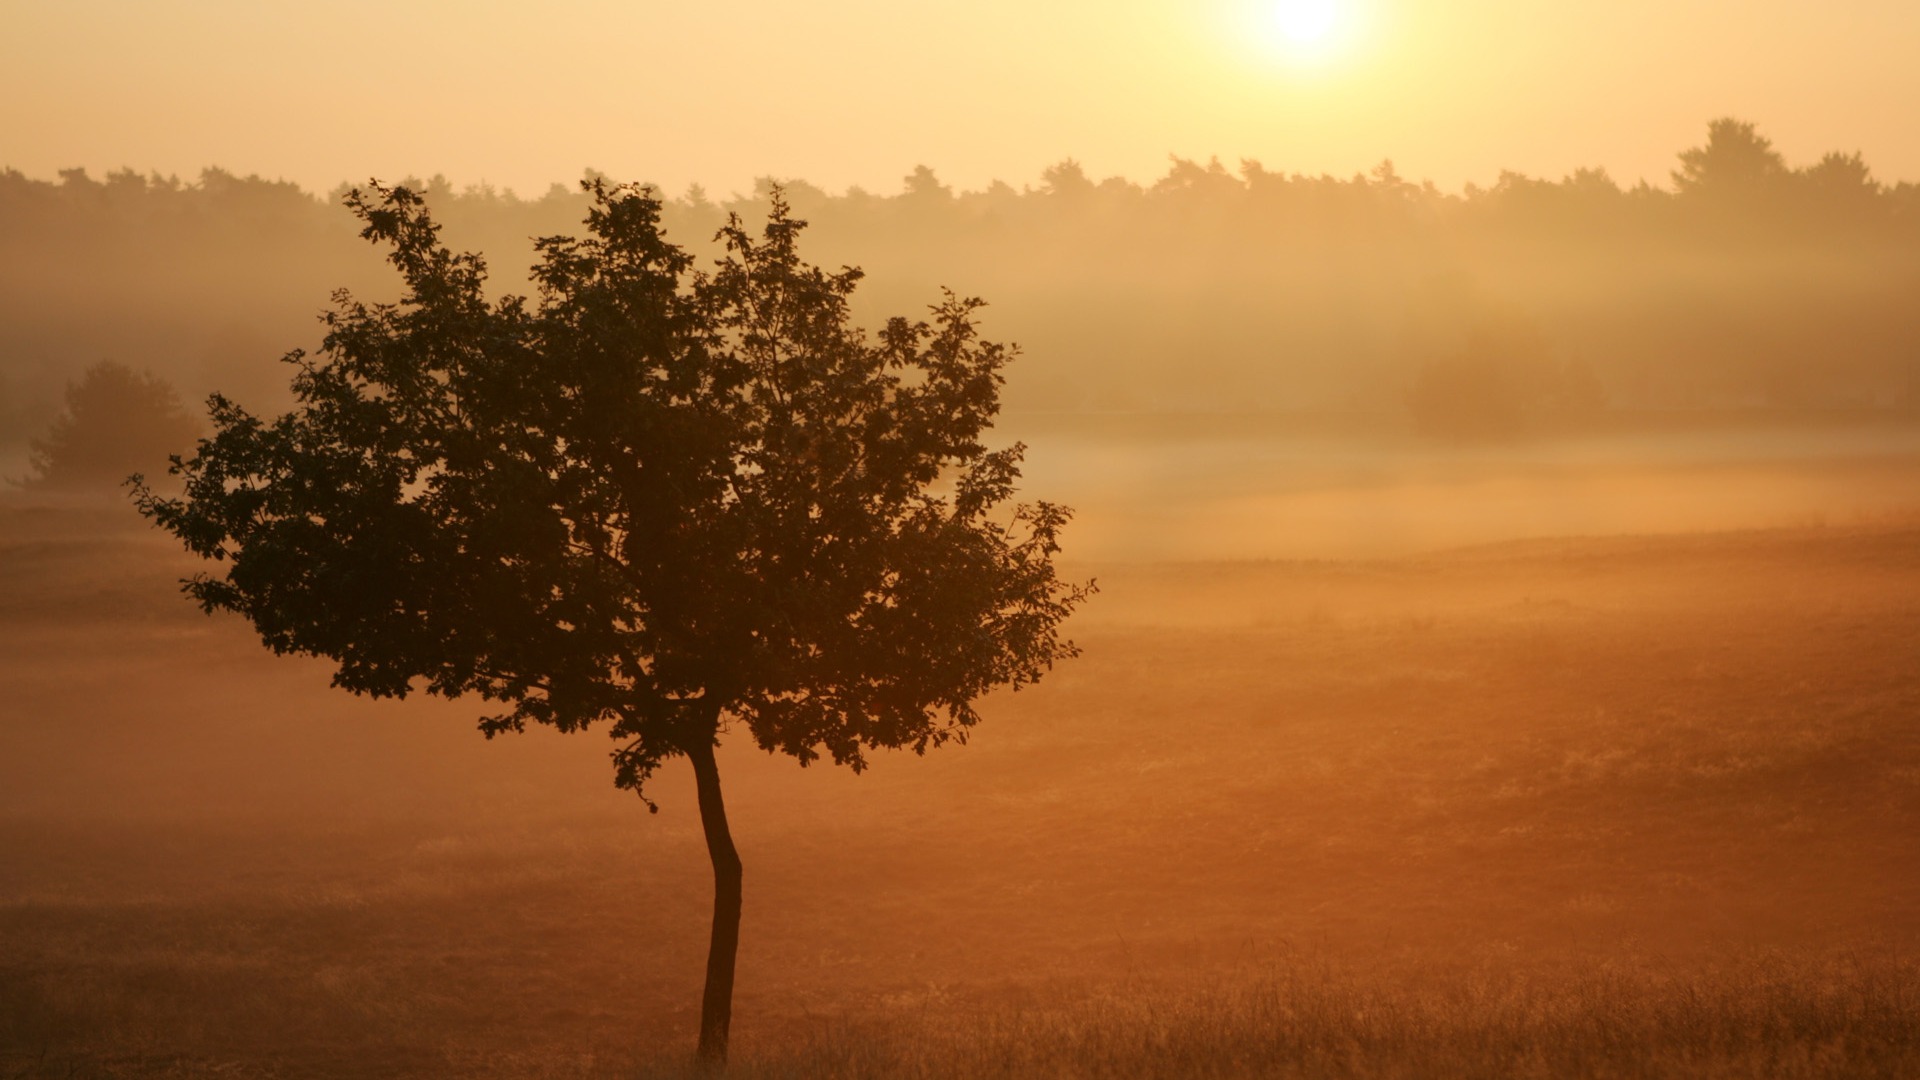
x=845, y=92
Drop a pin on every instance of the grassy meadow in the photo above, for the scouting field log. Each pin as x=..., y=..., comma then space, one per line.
x=1640, y=805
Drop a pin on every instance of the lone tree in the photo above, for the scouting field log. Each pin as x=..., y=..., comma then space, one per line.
x=669, y=501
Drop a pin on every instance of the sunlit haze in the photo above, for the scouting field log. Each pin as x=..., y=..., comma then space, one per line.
x=857, y=92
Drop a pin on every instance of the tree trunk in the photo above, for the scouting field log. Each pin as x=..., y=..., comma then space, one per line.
x=716, y=1007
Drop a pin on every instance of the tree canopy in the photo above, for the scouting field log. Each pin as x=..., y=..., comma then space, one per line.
x=651, y=497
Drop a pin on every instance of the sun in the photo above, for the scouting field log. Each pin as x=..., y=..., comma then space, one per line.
x=1306, y=30
x=1306, y=23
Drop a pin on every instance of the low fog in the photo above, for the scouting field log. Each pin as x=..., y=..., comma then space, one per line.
x=1224, y=362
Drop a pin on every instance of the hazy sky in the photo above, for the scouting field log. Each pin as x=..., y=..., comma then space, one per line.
x=845, y=92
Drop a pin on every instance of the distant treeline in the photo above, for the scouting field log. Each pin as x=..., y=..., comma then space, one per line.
x=1748, y=284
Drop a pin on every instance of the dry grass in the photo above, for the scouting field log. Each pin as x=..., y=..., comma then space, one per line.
x=1629, y=807
x=1778, y=1016
x=1765, y=1016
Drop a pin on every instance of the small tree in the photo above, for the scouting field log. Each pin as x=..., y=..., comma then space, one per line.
x=663, y=500
x=117, y=420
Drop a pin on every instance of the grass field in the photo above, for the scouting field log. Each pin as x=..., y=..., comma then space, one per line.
x=1607, y=807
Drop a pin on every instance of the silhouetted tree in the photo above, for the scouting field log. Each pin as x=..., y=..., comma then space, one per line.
x=1846, y=175
x=116, y=421
x=1068, y=179
x=922, y=185
x=1841, y=186
x=661, y=500
x=1737, y=160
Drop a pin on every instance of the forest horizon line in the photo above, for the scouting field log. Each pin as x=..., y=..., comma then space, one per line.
x=1752, y=284
x=1065, y=176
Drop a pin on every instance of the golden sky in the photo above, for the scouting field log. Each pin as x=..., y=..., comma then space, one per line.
x=844, y=92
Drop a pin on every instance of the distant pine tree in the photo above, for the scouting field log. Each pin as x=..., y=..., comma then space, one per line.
x=117, y=422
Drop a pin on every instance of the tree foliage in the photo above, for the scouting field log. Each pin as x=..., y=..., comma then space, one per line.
x=648, y=497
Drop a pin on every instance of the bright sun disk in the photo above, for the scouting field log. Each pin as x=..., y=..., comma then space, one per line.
x=1306, y=24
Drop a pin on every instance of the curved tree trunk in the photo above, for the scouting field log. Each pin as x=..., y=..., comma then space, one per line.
x=716, y=1007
